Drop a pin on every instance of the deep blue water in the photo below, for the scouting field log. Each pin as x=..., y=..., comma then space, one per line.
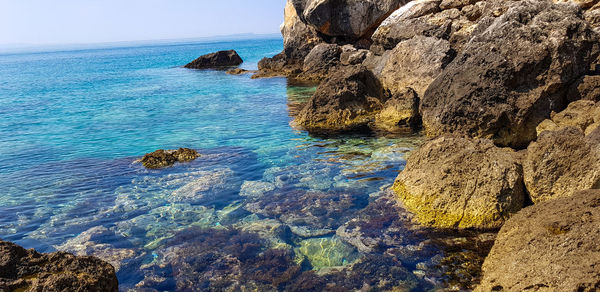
x=73, y=124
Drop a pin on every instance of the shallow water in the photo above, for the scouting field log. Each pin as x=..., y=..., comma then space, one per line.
x=265, y=207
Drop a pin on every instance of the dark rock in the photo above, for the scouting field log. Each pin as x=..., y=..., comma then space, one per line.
x=587, y=87
x=28, y=270
x=319, y=61
x=551, y=246
x=216, y=60
x=347, y=100
x=163, y=158
x=512, y=74
x=561, y=163
x=400, y=113
x=454, y=182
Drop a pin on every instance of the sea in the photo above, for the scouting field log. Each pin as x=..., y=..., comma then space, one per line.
x=266, y=206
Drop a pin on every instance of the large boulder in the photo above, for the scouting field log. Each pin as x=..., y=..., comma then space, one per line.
x=216, y=60
x=319, y=61
x=347, y=100
x=28, y=270
x=455, y=182
x=512, y=74
x=551, y=246
x=583, y=114
x=561, y=163
x=348, y=19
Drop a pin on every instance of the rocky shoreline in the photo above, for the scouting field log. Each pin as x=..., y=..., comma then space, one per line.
x=506, y=91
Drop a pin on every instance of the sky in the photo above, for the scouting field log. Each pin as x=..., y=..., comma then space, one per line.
x=39, y=22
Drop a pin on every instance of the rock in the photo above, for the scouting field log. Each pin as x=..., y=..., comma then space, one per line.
x=581, y=114
x=454, y=182
x=28, y=270
x=415, y=63
x=352, y=56
x=163, y=158
x=449, y=4
x=347, y=19
x=255, y=189
x=561, y=163
x=217, y=185
x=551, y=246
x=587, y=87
x=327, y=252
x=347, y=100
x=239, y=71
x=585, y=4
x=216, y=60
x=400, y=113
x=320, y=60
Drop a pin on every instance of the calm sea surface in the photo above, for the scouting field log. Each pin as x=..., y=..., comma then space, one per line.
x=265, y=207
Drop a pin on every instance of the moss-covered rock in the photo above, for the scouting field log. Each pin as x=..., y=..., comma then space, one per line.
x=164, y=158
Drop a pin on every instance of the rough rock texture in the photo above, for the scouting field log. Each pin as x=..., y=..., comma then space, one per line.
x=561, y=163
x=347, y=100
x=415, y=63
x=163, y=158
x=455, y=182
x=583, y=114
x=348, y=19
x=28, y=270
x=519, y=69
x=551, y=246
x=216, y=60
x=587, y=87
x=239, y=71
x=319, y=61
x=400, y=113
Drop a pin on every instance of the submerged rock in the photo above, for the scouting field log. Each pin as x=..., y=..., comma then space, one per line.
x=561, y=163
x=210, y=186
x=216, y=60
x=327, y=252
x=347, y=100
x=550, y=246
x=163, y=158
x=511, y=74
x=28, y=270
x=239, y=71
x=454, y=182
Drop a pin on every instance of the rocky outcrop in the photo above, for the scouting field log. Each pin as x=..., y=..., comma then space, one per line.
x=346, y=19
x=587, y=87
x=551, y=246
x=216, y=60
x=512, y=74
x=28, y=270
x=164, y=158
x=321, y=59
x=561, y=163
x=583, y=114
x=347, y=100
x=400, y=113
x=454, y=182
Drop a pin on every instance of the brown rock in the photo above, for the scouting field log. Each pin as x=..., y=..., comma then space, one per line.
x=587, y=87
x=163, y=158
x=581, y=114
x=551, y=246
x=512, y=74
x=28, y=270
x=400, y=113
x=561, y=163
x=216, y=60
x=454, y=182
x=319, y=61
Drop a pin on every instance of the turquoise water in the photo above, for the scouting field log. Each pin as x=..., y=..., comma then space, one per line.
x=73, y=124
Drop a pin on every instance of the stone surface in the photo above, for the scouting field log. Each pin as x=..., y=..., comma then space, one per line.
x=327, y=252
x=560, y=163
x=400, y=113
x=212, y=186
x=216, y=60
x=319, y=61
x=581, y=114
x=347, y=100
x=454, y=182
x=512, y=74
x=239, y=71
x=348, y=19
x=587, y=87
x=28, y=270
x=550, y=246
x=164, y=158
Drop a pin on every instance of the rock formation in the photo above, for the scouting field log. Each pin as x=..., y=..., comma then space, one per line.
x=551, y=246
x=216, y=60
x=164, y=158
x=28, y=270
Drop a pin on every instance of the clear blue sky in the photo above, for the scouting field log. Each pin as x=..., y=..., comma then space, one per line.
x=32, y=22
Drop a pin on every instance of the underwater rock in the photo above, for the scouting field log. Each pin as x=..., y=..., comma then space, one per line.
x=163, y=158
x=311, y=176
x=550, y=246
x=211, y=186
x=583, y=114
x=327, y=252
x=454, y=182
x=216, y=60
x=561, y=163
x=347, y=100
x=511, y=74
x=255, y=188
x=28, y=270
x=270, y=229
x=239, y=71
x=308, y=213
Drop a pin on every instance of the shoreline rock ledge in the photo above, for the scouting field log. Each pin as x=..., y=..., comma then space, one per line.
x=28, y=270
x=218, y=59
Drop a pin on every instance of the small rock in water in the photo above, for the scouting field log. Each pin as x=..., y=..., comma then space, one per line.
x=163, y=158
x=239, y=71
x=327, y=252
x=255, y=189
x=215, y=60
